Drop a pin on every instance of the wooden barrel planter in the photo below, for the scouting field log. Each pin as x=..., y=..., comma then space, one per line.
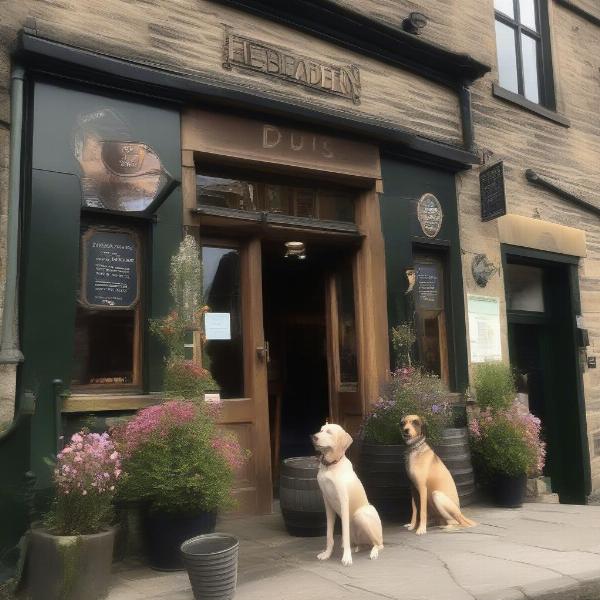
x=454, y=450
x=383, y=474
x=300, y=497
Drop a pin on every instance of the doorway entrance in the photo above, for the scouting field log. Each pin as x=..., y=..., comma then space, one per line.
x=542, y=333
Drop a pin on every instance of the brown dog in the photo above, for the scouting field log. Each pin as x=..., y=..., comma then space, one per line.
x=431, y=483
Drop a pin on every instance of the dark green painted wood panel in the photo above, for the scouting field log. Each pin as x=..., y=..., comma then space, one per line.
x=49, y=284
x=404, y=183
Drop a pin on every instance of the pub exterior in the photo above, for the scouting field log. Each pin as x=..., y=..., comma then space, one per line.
x=371, y=145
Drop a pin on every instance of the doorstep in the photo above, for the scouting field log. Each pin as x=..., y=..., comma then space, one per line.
x=538, y=551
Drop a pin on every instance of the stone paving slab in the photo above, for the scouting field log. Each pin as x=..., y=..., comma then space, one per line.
x=540, y=551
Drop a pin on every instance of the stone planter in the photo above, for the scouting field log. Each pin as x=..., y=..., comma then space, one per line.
x=65, y=567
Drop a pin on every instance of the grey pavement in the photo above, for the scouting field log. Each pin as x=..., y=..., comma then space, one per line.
x=542, y=551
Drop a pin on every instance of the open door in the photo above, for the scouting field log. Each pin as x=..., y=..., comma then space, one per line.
x=346, y=405
x=233, y=284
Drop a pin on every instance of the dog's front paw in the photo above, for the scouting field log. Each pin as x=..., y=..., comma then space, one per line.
x=374, y=553
x=421, y=530
x=324, y=555
x=409, y=526
x=347, y=559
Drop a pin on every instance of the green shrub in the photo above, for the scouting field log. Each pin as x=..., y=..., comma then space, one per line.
x=410, y=391
x=494, y=385
x=186, y=379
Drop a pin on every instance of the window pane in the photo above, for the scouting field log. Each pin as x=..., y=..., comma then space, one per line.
x=221, y=290
x=346, y=325
x=506, y=7
x=524, y=286
x=507, y=57
x=527, y=10
x=530, y=68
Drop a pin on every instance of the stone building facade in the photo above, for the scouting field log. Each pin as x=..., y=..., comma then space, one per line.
x=562, y=146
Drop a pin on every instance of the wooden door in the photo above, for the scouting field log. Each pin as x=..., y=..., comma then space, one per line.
x=345, y=398
x=246, y=414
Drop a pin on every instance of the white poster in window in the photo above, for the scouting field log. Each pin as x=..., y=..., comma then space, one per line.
x=217, y=326
x=484, y=328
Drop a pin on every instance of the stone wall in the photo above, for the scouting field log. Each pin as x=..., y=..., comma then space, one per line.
x=186, y=36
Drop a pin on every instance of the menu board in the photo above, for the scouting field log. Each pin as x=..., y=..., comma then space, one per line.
x=110, y=277
x=484, y=328
x=428, y=286
x=493, y=198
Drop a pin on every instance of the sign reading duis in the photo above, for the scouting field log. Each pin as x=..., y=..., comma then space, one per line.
x=254, y=55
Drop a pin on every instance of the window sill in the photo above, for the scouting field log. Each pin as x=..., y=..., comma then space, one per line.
x=77, y=403
x=546, y=113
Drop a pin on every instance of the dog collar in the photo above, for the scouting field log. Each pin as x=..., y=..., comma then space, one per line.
x=329, y=464
x=416, y=445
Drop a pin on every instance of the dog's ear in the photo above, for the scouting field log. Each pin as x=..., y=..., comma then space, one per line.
x=346, y=440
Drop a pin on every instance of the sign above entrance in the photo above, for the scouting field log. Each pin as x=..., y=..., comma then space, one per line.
x=254, y=55
x=273, y=144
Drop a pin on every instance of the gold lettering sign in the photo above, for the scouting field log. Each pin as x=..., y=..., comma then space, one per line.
x=247, y=53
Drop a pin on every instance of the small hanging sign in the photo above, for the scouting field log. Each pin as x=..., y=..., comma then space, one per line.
x=493, y=196
x=430, y=215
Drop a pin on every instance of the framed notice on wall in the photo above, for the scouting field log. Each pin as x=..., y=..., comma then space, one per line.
x=493, y=196
x=484, y=328
x=110, y=269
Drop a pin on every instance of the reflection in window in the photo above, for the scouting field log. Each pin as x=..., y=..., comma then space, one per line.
x=221, y=289
x=311, y=202
x=524, y=288
x=346, y=324
x=519, y=42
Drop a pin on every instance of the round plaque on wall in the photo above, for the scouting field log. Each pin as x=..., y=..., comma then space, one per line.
x=430, y=214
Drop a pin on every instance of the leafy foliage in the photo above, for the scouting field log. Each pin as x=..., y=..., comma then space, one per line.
x=186, y=379
x=494, y=385
x=410, y=391
x=176, y=460
x=86, y=473
x=507, y=442
x=403, y=339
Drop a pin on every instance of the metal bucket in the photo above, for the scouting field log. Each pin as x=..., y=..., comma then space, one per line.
x=211, y=562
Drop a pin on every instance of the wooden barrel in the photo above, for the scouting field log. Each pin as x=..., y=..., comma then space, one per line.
x=300, y=497
x=383, y=475
x=454, y=450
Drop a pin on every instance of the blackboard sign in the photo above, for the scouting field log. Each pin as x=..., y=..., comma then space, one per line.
x=493, y=198
x=110, y=277
x=429, y=286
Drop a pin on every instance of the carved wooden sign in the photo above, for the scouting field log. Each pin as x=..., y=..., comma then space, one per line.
x=254, y=55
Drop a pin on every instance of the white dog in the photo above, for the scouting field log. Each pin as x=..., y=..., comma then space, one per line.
x=345, y=496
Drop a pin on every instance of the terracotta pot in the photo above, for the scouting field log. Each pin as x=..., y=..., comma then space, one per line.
x=69, y=567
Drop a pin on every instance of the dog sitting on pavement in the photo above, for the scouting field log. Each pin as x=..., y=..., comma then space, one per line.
x=344, y=495
x=432, y=485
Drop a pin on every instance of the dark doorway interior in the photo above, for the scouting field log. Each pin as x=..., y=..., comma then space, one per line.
x=295, y=327
x=542, y=303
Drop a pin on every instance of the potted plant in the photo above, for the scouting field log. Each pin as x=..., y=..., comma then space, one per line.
x=180, y=469
x=71, y=555
x=505, y=437
x=410, y=391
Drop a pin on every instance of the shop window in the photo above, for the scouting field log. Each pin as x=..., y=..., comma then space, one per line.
x=108, y=315
x=310, y=202
x=430, y=315
x=524, y=287
x=222, y=350
x=522, y=44
x=346, y=326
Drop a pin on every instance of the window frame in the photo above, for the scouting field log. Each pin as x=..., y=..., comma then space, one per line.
x=547, y=98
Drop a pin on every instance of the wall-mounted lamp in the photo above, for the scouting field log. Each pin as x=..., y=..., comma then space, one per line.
x=295, y=249
x=414, y=22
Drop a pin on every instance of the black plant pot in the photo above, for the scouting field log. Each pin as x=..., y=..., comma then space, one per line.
x=508, y=491
x=211, y=562
x=164, y=533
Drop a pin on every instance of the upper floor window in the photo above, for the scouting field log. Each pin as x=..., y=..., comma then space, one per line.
x=522, y=42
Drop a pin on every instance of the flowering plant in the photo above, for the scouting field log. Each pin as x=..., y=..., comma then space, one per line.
x=187, y=379
x=176, y=459
x=410, y=391
x=507, y=441
x=85, y=474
